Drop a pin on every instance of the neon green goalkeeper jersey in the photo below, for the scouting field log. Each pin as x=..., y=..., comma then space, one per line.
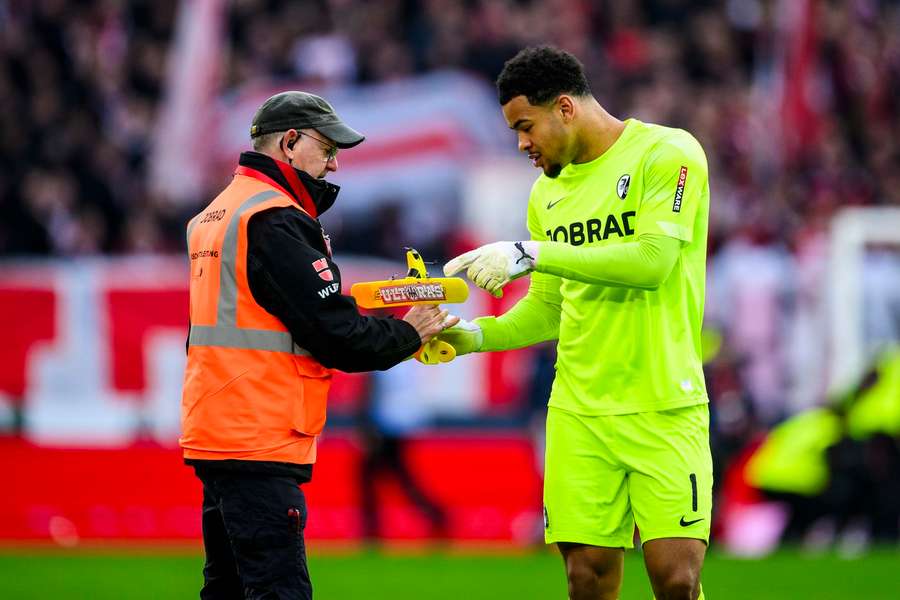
x=625, y=349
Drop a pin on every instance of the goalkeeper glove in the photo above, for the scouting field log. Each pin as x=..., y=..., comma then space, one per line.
x=465, y=337
x=492, y=266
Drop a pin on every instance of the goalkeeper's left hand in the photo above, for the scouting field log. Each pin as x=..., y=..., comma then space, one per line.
x=462, y=338
x=436, y=350
x=492, y=266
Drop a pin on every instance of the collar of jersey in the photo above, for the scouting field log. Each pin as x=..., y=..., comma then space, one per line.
x=579, y=170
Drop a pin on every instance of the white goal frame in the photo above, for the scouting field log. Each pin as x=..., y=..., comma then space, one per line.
x=852, y=230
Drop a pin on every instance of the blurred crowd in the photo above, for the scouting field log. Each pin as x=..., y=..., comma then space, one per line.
x=82, y=81
x=799, y=113
x=80, y=85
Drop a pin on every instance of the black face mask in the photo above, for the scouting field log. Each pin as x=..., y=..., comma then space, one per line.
x=323, y=193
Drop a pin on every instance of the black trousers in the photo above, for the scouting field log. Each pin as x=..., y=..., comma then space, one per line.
x=253, y=536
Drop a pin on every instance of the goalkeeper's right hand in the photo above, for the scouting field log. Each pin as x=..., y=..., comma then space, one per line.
x=465, y=337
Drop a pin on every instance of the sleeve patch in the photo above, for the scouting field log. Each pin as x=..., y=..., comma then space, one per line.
x=321, y=267
x=679, y=189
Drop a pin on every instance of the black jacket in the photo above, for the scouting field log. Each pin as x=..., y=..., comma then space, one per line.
x=287, y=277
x=285, y=248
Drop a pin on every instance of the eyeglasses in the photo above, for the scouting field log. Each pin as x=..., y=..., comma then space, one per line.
x=330, y=150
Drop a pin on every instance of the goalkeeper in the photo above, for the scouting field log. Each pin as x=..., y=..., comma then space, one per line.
x=617, y=256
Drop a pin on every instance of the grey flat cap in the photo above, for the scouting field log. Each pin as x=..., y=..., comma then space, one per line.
x=299, y=110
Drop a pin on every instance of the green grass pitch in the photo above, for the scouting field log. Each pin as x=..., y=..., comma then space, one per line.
x=138, y=574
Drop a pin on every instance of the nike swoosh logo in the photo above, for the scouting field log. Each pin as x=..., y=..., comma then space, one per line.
x=684, y=523
x=552, y=204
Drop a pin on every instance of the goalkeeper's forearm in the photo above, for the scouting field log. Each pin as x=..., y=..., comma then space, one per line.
x=534, y=318
x=643, y=264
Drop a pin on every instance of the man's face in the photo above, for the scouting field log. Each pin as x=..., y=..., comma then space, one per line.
x=311, y=152
x=543, y=133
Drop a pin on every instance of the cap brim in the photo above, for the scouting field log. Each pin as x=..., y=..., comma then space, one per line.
x=343, y=136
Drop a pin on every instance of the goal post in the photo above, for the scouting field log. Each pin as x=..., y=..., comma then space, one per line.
x=855, y=232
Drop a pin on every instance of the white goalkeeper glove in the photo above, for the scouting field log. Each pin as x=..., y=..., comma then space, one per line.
x=465, y=337
x=492, y=266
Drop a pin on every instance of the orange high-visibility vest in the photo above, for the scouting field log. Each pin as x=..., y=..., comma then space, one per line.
x=250, y=392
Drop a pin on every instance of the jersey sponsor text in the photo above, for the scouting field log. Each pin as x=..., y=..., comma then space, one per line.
x=594, y=230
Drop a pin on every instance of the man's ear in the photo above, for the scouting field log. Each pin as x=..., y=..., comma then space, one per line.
x=291, y=143
x=565, y=104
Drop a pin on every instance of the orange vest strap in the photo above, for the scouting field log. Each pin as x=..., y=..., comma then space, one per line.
x=227, y=307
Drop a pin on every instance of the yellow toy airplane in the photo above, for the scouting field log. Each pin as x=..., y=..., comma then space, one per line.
x=416, y=288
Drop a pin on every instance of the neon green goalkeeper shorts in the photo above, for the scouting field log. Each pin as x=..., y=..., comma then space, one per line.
x=603, y=474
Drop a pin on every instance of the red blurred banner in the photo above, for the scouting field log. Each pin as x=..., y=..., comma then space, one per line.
x=486, y=482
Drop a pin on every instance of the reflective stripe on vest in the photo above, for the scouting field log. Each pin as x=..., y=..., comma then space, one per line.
x=245, y=339
x=225, y=333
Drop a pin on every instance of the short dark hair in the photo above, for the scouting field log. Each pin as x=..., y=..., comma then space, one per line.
x=541, y=73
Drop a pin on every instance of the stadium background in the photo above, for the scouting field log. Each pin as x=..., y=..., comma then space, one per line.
x=119, y=120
